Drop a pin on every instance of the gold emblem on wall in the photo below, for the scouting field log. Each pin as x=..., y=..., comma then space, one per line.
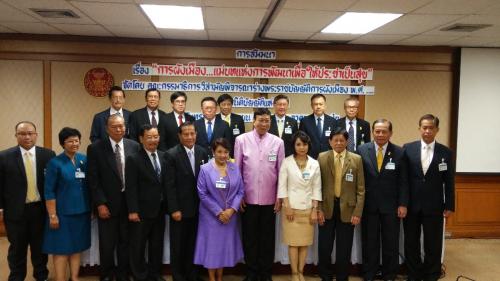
x=98, y=81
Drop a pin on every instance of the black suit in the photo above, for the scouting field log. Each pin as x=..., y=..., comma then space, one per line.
x=182, y=195
x=106, y=186
x=237, y=127
x=289, y=128
x=171, y=129
x=140, y=117
x=385, y=191
x=318, y=143
x=220, y=129
x=24, y=222
x=430, y=195
x=145, y=193
x=98, y=129
x=362, y=131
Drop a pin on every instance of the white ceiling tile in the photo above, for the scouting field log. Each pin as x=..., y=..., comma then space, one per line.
x=4, y=29
x=183, y=34
x=334, y=37
x=319, y=5
x=8, y=13
x=428, y=40
x=231, y=35
x=26, y=5
x=190, y=3
x=238, y=3
x=113, y=13
x=32, y=27
x=473, y=19
x=83, y=29
x=302, y=21
x=387, y=6
x=455, y=7
x=470, y=41
x=233, y=18
x=378, y=39
x=288, y=35
x=133, y=31
x=415, y=24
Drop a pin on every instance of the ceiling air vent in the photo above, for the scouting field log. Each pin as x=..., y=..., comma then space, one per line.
x=56, y=13
x=462, y=27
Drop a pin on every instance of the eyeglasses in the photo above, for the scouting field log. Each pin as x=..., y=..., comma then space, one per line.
x=24, y=134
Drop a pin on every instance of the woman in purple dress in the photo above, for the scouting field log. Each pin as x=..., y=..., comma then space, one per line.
x=220, y=188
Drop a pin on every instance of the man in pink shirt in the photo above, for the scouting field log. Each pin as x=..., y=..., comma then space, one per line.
x=259, y=154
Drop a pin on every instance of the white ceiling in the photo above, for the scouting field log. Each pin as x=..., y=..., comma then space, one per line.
x=258, y=20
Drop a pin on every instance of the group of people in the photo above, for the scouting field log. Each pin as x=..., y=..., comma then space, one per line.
x=212, y=178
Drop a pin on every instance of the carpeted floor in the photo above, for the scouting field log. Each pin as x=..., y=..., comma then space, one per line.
x=476, y=259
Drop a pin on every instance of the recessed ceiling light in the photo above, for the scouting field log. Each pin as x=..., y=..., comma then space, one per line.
x=359, y=23
x=175, y=17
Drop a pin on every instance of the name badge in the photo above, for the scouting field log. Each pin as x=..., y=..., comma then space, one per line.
x=220, y=184
x=443, y=166
x=306, y=175
x=272, y=157
x=390, y=165
x=288, y=130
x=79, y=174
x=327, y=133
x=236, y=131
x=349, y=177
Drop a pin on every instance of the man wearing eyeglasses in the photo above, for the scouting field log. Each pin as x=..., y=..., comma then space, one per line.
x=174, y=119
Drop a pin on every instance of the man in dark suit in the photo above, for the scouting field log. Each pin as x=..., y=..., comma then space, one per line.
x=98, y=130
x=145, y=181
x=152, y=115
x=235, y=121
x=386, y=198
x=106, y=170
x=318, y=126
x=208, y=128
x=358, y=129
x=22, y=204
x=431, y=176
x=184, y=160
x=343, y=192
x=175, y=118
x=281, y=125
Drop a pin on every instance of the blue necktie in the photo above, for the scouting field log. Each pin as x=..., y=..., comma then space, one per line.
x=350, y=141
x=209, y=131
x=319, y=126
x=155, y=164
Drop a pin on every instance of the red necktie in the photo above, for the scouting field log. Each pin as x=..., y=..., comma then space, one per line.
x=180, y=119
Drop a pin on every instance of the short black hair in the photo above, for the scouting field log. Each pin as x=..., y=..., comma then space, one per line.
x=185, y=124
x=177, y=94
x=144, y=128
x=152, y=90
x=430, y=117
x=318, y=96
x=261, y=111
x=115, y=89
x=221, y=142
x=382, y=120
x=300, y=135
x=224, y=97
x=280, y=97
x=339, y=131
x=25, y=122
x=68, y=132
x=208, y=99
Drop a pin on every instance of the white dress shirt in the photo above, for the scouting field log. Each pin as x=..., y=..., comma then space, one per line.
x=113, y=111
x=177, y=118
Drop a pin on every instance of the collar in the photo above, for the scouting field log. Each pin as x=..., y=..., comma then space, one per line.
x=278, y=118
x=316, y=117
x=431, y=145
x=31, y=150
x=384, y=147
x=343, y=153
x=113, y=111
x=187, y=149
x=347, y=120
x=177, y=115
x=259, y=137
x=149, y=111
x=223, y=117
x=113, y=143
x=149, y=152
x=206, y=121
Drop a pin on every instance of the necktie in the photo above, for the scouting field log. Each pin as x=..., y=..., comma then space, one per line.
x=425, y=159
x=338, y=175
x=118, y=113
x=380, y=158
x=155, y=165
x=350, y=141
x=209, y=131
x=154, y=123
x=280, y=127
x=191, y=160
x=228, y=119
x=319, y=126
x=180, y=119
x=119, y=165
x=31, y=193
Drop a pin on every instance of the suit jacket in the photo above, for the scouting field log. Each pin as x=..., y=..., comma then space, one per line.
x=144, y=190
x=426, y=191
x=387, y=189
x=362, y=130
x=182, y=194
x=286, y=137
x=104, y=180
x=98, y=129
x=352, y=196
x=236, y=128
x=140, y=117
x=172, y=130
x=319, y=143
x=13, y=184
x=220, y=129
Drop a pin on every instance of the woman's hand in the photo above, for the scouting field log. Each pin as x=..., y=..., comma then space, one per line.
x=289, y=213
x=313, y=219
x=53, y=221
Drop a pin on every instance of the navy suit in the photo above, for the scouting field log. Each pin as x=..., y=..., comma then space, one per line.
x=430, y=195
x=385, y=190
x=237, y=127
x=98, y=129
x=171, y=129
x=362, y=131
x=220, y=129
x=286, y=134
x=319, y=142
x=140, y=117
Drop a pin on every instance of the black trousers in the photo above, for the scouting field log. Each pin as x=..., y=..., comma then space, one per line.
x=432, y=225
x=258, y=231
x=375, y=227
x=28, y=231
x=149, y=231
x=335, y=230
x=182, y=244
x=113, y=235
